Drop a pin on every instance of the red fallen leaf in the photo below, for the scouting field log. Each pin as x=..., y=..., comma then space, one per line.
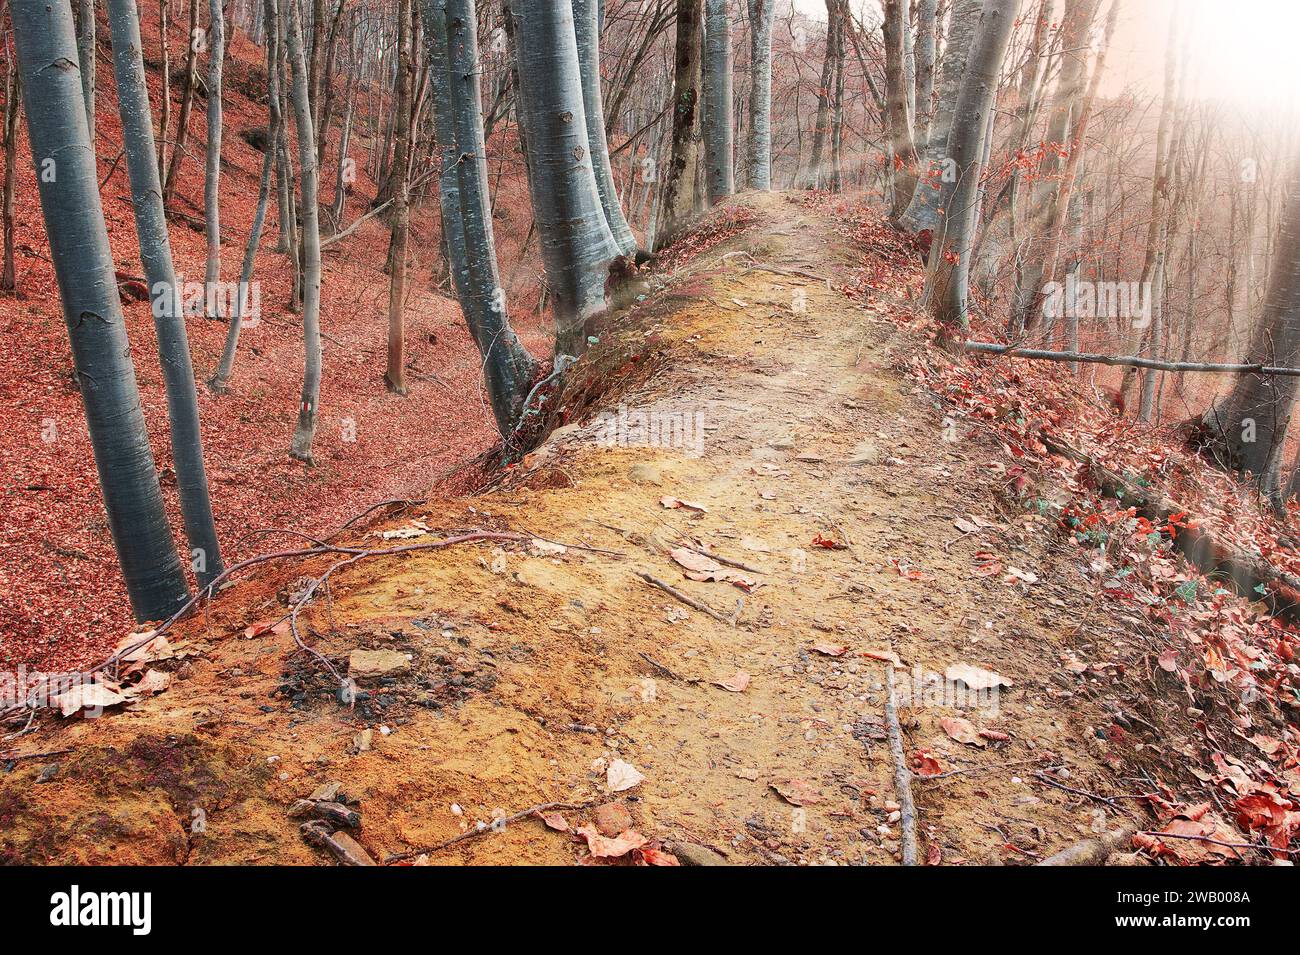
x=933, y=854
x=267, y=626
x=830, y=649
x=884, y=656
x=995, y=736
x=556, y=821
x=990, y=565
x=962, y=730
x=736, y=684
x=828, y=542
x=1169, y=660
x=602, y=847
x=657, y=856
x=925, y=765
x=907, y=571
x=797, y=792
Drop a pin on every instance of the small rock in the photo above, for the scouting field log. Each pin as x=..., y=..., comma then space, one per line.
x=362, y=742
x=612, y=818
x=376, y=664
x=688, y=853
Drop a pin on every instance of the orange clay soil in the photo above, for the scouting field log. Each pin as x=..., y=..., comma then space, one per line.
x=533, y=669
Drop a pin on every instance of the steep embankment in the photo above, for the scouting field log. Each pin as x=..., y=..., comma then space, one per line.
x=528, y=671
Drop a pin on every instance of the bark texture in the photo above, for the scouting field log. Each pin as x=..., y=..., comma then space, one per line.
x=718, y=121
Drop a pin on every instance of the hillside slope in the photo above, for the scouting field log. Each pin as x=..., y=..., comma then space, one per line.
x=534, y=669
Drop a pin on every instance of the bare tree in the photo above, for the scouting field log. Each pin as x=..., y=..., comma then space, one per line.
x=683, y=161
x=718, y=121
x=761, y=13
x=212, y=175
x=83, y=264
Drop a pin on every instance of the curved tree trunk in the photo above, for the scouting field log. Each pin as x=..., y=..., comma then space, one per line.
x=948, y=276
x=451, y=30
x=212, y=176
x=718, y=121
x=220, y=380
x=934, y=189
x=577, y=246
x=586, y=16
x=83, y=265
x=160, y=274
x=305, y=429
x=761, y=13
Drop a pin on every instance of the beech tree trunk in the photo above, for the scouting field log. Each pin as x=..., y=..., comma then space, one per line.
x=683, y=161
x=13, y=101
x=822, y=132
x=924, y=47
x=577, y=246
x=451, y=32
x=86, y=60
x=934, y=190
x=898, y=96
x=718, y=122
x=305, y=429
x=948, y=275
x=395, y=375
x=165, y=106
x=187, y=102
x=220, y=380
x=1250, y=426
x=83, y=265
x=212, y=174
x=761, y=13
x=160, y=274
x=586, y=16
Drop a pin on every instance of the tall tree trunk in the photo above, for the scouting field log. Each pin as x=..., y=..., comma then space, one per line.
x=165, y=104
x=934, y=190
x=948, y=276
x=451, y=30
x=1250, y=426
x=327, y=85
x=718, y=121
x=825, y=97
x=305, y=429
x=577, y=246
x=160, y=274
x=761, y=13
x=220, y=380
x=924, y=46
x=342, y=178
x=13, y=101
x=679, y=183
x=902, y=146
x=86, y=60
x=192, y=46
x=212, y=175
x=1062, y=122
x=586, y=16
x=83, y=264
x=395, y=374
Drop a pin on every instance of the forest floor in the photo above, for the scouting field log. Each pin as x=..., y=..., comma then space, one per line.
x=544, y=669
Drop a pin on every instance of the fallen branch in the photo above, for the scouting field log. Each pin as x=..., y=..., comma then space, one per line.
x=684, y=598
x=476, y=832
x=902, y=775
x=1132, y=361
x=1252, y=578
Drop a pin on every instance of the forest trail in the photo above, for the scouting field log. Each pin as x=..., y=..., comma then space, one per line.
x=532, y=670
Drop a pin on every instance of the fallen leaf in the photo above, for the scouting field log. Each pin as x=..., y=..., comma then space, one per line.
x=1169, y=660
x=974, y=678
x=736, y=684
x=621, y=776
x=603, y=847
x=828, y=542
x=797, y=792
x=925, y=765
x=657, y=856
x=153, y=681
x=279, y=628
x=86, y=696
x=671, y=503
x=885, y=656
x=965, y=526
x=962, y=730
x=556, y=821
x=830, y=649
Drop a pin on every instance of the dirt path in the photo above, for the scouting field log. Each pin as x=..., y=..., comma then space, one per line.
x=533, y=670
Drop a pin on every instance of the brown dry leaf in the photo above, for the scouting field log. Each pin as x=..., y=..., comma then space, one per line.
x=154, y=681
x=736, y=684
x=925, y=765
x=965, y=526
x=87, y=696
x=830, y=649
x=603, y=847
x=884, y=656
x=974, y=678
x=797, y=792
x=556, y=821
x=267, y=626
x=145, y=653
x=657, y=856
x=962, y=730
x=699, y=567
x=672, y=503
x=1169, y=661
